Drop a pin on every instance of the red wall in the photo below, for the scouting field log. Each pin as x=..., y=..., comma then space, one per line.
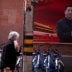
x=11, y=18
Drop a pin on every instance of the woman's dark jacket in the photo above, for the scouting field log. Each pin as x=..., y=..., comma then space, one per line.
x=9, y=55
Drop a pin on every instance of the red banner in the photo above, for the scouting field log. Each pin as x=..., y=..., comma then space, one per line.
x=47, y=13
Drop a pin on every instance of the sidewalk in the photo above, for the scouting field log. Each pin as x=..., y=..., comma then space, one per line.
x=27, y=63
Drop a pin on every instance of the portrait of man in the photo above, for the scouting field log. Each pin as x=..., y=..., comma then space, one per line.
x=53, y=21
x=64, y=26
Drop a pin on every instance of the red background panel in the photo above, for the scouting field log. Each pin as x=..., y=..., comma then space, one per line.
x=48, y=12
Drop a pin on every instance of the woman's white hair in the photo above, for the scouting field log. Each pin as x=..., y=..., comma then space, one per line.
x=13, y=35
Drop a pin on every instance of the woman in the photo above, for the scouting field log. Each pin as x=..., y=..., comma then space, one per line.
x=10, y=52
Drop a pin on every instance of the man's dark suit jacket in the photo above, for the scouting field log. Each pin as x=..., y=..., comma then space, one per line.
x=64, y=29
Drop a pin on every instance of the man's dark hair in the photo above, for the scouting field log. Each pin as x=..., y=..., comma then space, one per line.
x=68, y=5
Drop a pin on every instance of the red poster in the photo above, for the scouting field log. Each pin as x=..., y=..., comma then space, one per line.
x=46, y=15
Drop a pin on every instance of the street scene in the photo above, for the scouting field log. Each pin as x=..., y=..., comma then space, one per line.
x=35, y=36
